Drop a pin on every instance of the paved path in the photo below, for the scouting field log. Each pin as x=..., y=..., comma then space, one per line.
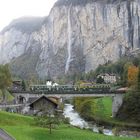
x=5, y=136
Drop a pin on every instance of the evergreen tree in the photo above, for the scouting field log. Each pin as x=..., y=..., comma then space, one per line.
x=100, y=80
x=23, y=85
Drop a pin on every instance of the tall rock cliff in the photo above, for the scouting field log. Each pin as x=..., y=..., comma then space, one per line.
x=77, y=36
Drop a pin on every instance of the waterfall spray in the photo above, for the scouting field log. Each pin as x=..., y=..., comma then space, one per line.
x=69, y=32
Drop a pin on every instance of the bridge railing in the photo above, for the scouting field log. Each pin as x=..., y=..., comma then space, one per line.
x=70, y=89
x=18, y=91
x=100, y=88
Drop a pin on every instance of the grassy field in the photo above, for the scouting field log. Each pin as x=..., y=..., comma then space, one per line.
x=62, y=133
x=105, y=108
x=10, y=119
x=23, y=128
x=103, y=112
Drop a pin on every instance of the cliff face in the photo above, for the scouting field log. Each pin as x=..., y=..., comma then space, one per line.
x=75, y=37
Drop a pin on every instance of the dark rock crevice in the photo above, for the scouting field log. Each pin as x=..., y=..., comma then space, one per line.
x=130, y=24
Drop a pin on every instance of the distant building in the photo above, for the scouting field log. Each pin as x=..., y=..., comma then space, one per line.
x=43, y=105
x=17, y=85
x=50, y=83
x=108, y=78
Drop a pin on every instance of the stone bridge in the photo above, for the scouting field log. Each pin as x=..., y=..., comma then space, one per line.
x=117, y=96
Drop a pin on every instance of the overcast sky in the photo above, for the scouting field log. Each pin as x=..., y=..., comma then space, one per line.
x=12, y=9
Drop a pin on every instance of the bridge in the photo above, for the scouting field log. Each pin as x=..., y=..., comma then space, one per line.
x=11, y=105
x=60, y=92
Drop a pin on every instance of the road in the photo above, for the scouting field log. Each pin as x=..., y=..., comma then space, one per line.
x=5, y=136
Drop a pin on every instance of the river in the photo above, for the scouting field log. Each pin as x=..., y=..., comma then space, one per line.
x=77, y=121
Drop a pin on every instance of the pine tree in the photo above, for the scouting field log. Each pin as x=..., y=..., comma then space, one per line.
x=23, y=85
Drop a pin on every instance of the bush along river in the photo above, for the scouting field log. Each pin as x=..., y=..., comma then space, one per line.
x=77, y=121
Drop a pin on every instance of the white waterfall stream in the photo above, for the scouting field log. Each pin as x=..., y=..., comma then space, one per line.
x=69, y=32
x=76, y=120
x=74, y=117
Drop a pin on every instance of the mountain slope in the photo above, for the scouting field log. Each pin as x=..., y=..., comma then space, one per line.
x=76, y=37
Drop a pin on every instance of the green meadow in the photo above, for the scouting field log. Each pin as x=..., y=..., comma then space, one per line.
x=23, y=128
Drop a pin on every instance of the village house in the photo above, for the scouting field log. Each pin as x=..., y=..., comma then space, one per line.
x=43, y=105
x=108, y=78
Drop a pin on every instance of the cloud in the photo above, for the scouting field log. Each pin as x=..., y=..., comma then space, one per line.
x=12, y=9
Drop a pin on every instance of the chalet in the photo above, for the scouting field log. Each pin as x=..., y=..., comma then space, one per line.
x=108, y=78
x=43, y=105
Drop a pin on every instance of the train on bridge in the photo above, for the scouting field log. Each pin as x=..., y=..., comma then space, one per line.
x=96, y=88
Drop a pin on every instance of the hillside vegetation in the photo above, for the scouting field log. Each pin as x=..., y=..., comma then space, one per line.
x=127, y=70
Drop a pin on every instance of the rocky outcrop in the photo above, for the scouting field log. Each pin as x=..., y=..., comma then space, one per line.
x=16, y=39
x=77, y=36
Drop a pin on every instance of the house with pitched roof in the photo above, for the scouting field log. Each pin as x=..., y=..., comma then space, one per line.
x=43, y=105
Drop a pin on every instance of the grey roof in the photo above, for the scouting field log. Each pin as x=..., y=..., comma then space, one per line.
x=45, y=98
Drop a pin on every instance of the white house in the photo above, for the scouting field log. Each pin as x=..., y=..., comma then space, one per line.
x=108, y=78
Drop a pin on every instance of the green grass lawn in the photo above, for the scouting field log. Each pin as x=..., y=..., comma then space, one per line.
x=23, y=128
x=105, y=114
x=107, y=106
x=64, y=132
x=11, y=119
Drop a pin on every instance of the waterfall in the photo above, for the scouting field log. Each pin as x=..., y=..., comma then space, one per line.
x=69, y=32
